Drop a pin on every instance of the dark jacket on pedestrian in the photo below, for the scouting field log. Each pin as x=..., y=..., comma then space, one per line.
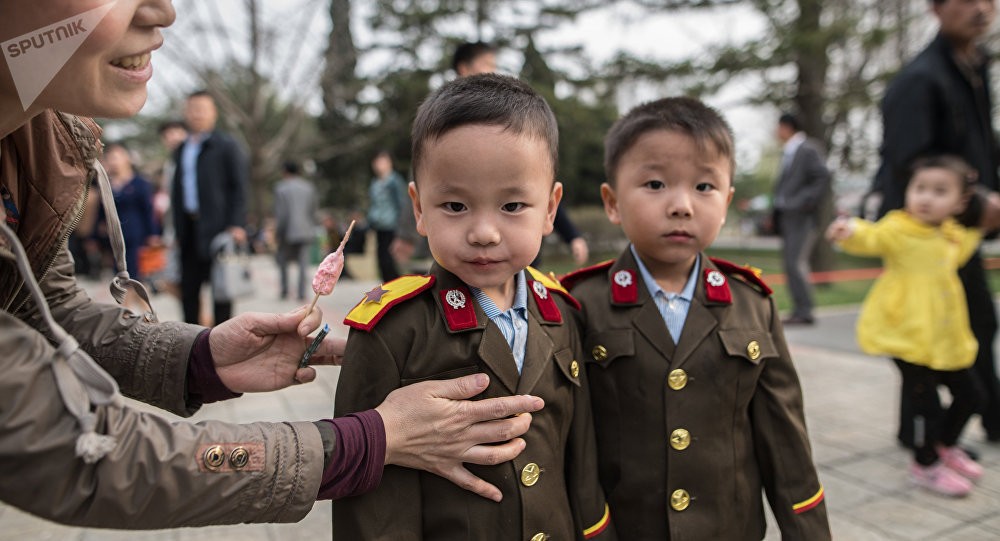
x=430, y=327
x=804, y=180
x=222, y=190
x=936, y=106
x=689, y=434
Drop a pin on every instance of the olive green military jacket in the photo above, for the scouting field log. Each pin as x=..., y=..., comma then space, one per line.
x=689, y=434
x=421, y=328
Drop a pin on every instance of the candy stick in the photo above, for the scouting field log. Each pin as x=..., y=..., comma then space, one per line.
x=329, y=271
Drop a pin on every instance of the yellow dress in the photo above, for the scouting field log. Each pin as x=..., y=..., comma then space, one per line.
x=916, y=311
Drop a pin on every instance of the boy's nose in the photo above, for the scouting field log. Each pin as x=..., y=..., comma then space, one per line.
x=679, y=205
x=484, y=233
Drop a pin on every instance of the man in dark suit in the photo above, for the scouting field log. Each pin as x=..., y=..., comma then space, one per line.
x=802, y=182
x=208, y=197
x=940, y=103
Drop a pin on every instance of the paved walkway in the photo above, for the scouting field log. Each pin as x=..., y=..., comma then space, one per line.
x=850, y=406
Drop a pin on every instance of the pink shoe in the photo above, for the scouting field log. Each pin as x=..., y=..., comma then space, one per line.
x=940, y=479
x=956, y=459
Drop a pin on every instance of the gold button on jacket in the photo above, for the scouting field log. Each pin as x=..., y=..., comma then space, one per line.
x=680, y=500
x=680, y=439
x=530, y=474
x=753, y=350
x=600, y=353
x=574, y=369
x=678, y=379
x=540, y=536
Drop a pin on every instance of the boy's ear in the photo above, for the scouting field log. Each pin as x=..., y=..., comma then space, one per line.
x=418, y=213
x=550, y=212
x=729, y=199
x=610, y=203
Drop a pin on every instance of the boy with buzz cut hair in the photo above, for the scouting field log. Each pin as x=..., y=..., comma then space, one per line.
x=484, y=193
x=697, y=405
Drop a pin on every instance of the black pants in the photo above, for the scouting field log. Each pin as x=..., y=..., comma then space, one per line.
x=982, y=318
x=932, y=425
x=386, y=264
x=299, y=253
x=195, y=271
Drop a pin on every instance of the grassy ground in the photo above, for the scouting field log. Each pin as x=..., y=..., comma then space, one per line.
x=834, y=294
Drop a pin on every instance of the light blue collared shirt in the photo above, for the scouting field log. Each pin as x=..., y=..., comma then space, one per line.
x=673, y=306
x=514, y=322
x=189, y=170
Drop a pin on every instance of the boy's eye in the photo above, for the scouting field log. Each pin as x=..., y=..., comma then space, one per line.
x=454, y=206
x=704, y=187
x=512, y=207
x=655, y=184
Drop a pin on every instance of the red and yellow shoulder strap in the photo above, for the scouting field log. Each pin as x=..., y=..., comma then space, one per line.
x=377, y=302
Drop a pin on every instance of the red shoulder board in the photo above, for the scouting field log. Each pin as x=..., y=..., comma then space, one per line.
x=747, y=274
x=377, y=302
x=570, y=279
x=552, y=284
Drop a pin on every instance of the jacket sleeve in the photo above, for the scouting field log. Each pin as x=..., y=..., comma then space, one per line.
x=148, y=360
x=590, y=508
x=238, y=177
x=782, y=446
x=817, y=177
x=868, y=239
x=156, y=476
x=393, y=510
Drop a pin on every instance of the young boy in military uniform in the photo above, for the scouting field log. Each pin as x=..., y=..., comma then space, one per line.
x=697, y=405
x=484, y=194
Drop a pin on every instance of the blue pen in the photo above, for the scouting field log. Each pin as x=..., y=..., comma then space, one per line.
x=314, y=345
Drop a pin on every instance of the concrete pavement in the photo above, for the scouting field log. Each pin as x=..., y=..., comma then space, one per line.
x=851, y=410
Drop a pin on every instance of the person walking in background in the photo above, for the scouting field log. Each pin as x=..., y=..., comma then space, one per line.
x=295, y=224
x=940, y=103
x=916, y=313
x=134, y=202
x=802, y=181
x=172, y=135
x=208, y=197
x=387, y=200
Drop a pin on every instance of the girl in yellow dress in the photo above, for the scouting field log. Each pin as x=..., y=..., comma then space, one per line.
x=916, y=313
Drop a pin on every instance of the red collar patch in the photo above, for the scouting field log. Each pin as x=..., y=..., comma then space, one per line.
x=624, y=288
x=717, y=287
x=547, y=306
x=458, y=308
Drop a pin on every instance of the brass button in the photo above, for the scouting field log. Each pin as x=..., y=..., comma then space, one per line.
x=239, y=457
x=574, y=368
x=214, y=457
x=677, y=379
x=680, y=500
x=680, y=439
x=753, y=350
x=540, y=536
x=530, y=474
x=600, y=353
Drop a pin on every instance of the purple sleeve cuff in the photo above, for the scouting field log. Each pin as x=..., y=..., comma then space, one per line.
x=203, y=383
x=358, y=456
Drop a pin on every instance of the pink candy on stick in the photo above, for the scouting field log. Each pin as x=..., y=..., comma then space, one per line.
x=329, y=270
